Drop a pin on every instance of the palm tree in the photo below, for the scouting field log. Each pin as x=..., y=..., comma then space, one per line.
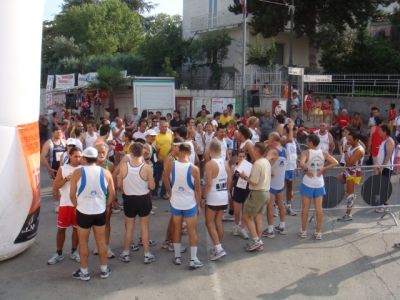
x=110, y=79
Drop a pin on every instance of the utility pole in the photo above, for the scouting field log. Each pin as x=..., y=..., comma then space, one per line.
x=244, y=10
x=289, y=100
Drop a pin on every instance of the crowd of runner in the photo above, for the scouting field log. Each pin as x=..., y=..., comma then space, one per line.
x=222, y=166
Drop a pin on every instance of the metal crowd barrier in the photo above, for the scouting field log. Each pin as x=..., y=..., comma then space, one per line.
x=372, y=192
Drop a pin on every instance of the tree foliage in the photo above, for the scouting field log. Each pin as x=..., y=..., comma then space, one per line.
x=140, y=6
x=107, y=27
x=312, y=18
x=130, y=62
x=163, y=40
x=261, y=55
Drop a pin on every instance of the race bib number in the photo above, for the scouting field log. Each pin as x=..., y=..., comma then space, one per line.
x=241, y=183
x=58, y=156
x=221, y=186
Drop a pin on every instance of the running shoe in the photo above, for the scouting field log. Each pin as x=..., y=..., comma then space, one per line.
x=105, y=274
x=236, y=230
x=261, y=248
x=268, y=234
x=345, y=218
x=148, y=259
x=227, y=217
x=303, y=234
x=151, y=243
x=75, y=256
x=177, y=261
x=165, y=244
x=318, y=236
x=253, y=245
x=215, y=255
x=290, y=211
x=244, y=233
x=382, y=209
x=134, y=247
x=81, y=276
x=55, y=259
x=276, y=211
x=124, y=257
x=110, y=254
x=280, y=230
x=195, y=264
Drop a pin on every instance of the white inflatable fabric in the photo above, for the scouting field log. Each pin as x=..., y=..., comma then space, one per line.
x=20, y=36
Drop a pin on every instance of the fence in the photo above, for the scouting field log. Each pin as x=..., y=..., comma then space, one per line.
x=372, y=192
x=359, y=85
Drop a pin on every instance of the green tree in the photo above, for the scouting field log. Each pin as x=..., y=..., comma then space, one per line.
x=312, y=17
x=125, y=61
x=163, y=40
x=107, y=27
x=211, y=49
x=140, y=6
x=261, y=55
x=110, y=79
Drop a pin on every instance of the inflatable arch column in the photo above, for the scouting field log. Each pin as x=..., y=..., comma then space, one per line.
x=20, y=37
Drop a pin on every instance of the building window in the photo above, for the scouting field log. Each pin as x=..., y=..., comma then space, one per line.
x=279, y=56
x=212, y=13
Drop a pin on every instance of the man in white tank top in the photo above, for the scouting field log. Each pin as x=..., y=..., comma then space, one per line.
x=312, y=161
x=291, y=166
x=326, y=143
x=135, y=180
x=220, y=137
x=66, y=213
x=90, y=136
x=182, y=182
x=353, y=155
x=277, y=158
x=90, y=186
x=217, y=192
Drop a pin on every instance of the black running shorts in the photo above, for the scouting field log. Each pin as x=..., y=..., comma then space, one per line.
x=87, y=221
x=137, y=205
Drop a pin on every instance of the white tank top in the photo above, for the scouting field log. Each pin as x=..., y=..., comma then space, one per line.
x=133, y=183
x=278, y=170
x=192, y=157
x=255, y=138
x=316, y=162
x=199, y=140
x=323, y=141
x=382, y=153
x=182, y=184
x=92, y=191
x=291, y=159
x=218, y=194
x=66, y=170
x=208, y=138
x=89, y=140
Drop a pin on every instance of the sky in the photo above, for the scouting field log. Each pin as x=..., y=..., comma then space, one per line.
x=172, y=7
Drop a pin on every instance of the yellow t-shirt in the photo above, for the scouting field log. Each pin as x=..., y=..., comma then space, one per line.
x=225, y=120
x=164, y=141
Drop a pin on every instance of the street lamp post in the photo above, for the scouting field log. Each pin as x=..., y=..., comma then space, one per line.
x=244, y=10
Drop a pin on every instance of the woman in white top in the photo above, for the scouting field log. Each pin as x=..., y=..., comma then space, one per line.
x=217, y=193
x=313, y=187
x=342, y=145
x=252, y=124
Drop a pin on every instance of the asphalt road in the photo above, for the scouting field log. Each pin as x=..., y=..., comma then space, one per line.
x=353, y=261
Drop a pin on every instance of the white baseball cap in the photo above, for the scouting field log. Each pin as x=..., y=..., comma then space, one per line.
x=90, y=152
x=71, y=142
x=151, y=132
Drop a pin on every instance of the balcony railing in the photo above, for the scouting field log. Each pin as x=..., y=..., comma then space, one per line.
x=221, y=20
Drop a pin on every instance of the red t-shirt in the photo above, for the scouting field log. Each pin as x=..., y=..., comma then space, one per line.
x=343, y=121
x=392, y=114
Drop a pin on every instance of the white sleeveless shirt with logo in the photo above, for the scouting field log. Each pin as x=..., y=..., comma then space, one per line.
x=278, y=170
x=315, y=163
x=218, y=194
x=323, y=141
x=182, y=184
x=92, y=191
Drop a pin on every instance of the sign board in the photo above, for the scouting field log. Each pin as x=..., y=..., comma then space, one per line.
x=86, y=79
x=49, y=90
x=219, y=104
x=296, y=71
x=317, y=78
x=66, y=81
x=198, y=102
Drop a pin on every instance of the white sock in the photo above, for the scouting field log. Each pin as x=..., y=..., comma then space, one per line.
x=282, y=224
x=289, y=204
x=85, y=270
x=218, y=247
x=256, y=239
x=177, y=249
x=125, y=252
x=270, y=228
x=193, y=253
x=104, y=268
x=147, y=254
